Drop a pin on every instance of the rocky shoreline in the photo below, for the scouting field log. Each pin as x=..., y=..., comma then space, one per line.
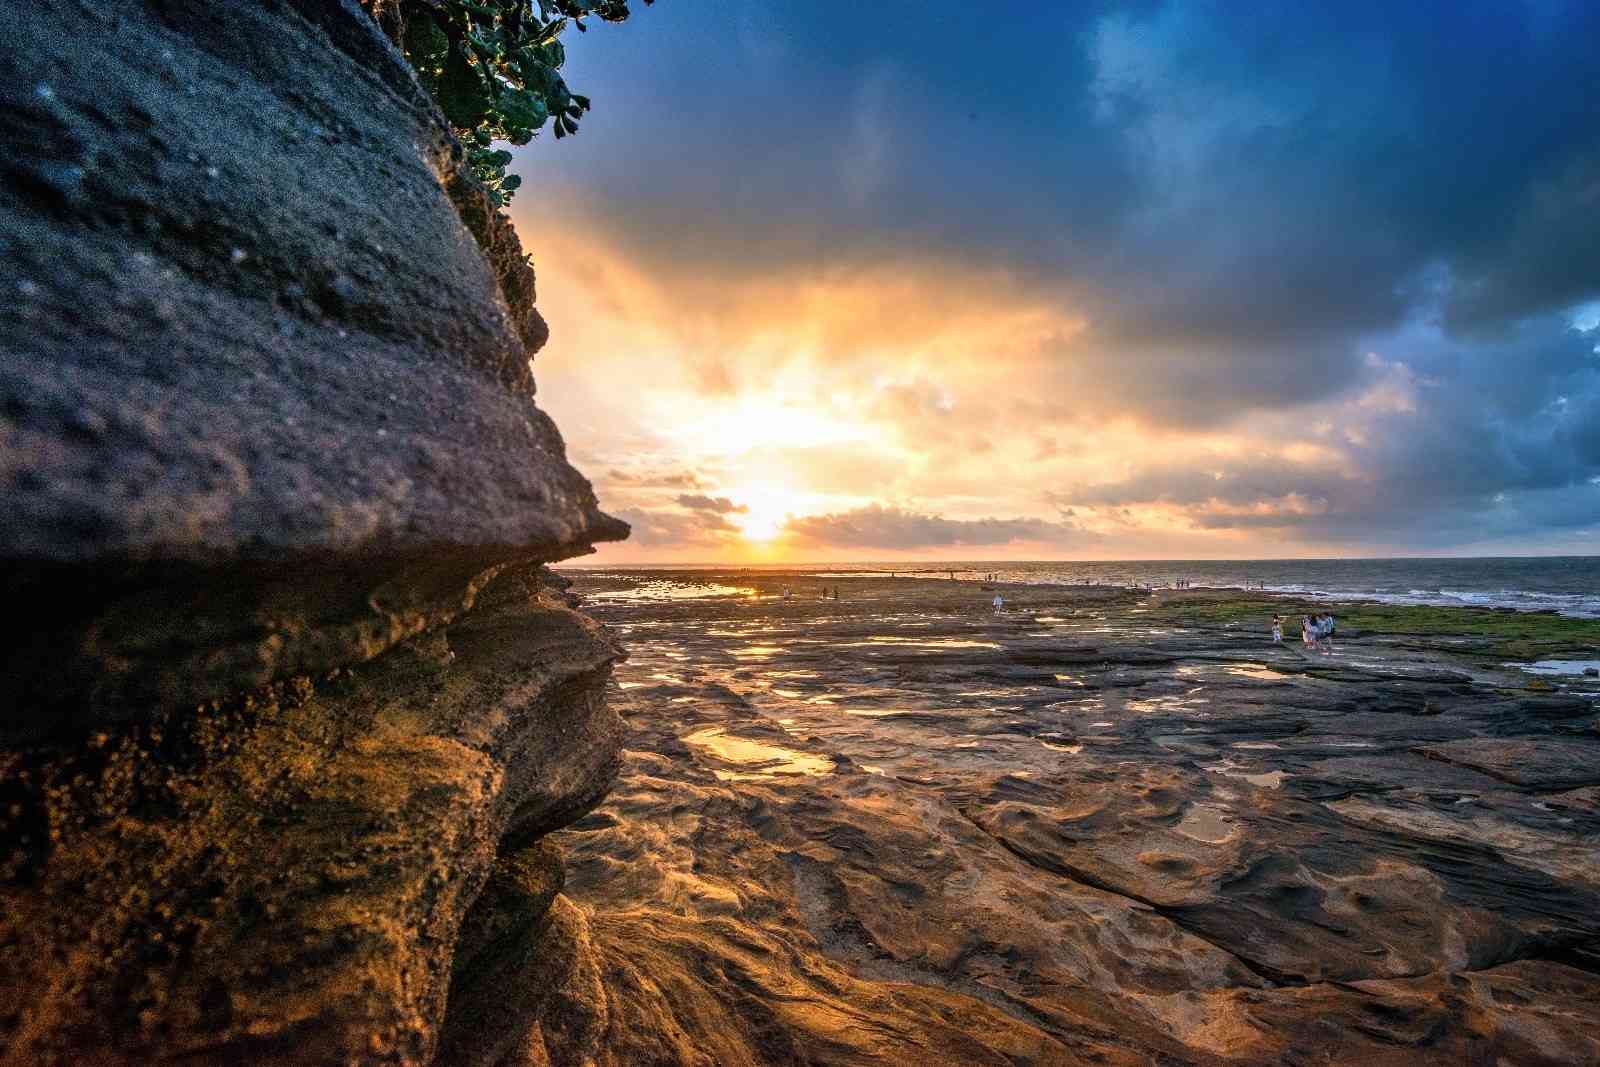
x=1104, y=826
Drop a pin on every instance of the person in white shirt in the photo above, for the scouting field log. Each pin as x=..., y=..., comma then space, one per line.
x=999, y=603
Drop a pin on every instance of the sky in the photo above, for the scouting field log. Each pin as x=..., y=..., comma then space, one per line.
x=833, y=281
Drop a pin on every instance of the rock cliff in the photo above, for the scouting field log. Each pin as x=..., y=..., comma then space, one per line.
x=293, y=702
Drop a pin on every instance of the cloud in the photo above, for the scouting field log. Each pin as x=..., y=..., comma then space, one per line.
x=657, y=529
x=720, y=505
x=655, y=479
x=1313, y=251
x=891, y=528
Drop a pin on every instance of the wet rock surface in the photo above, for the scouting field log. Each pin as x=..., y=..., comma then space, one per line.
x=897, y=827
x=294, y=705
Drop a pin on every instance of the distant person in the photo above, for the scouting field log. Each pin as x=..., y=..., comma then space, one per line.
x=1277, y=629
x=1308, y=631
x=788, y=594
x=999, y=603
x=1328, y=627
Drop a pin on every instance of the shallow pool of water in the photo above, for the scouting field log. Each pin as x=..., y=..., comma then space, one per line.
x=659, y=590
x=1558, y=666
x=1205, y=824
x=764, y=761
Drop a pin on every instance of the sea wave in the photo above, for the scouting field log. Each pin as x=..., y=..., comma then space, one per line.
x=1575, y=605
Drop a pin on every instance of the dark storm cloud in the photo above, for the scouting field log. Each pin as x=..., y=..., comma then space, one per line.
x=1240, y=201
x=1211, y=179
x=1483, y=446
x=893, y=528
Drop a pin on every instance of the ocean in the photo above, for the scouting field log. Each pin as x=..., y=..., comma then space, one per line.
x=1569, y=585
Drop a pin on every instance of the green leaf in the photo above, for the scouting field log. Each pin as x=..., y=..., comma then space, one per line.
x=461, y=92
x=523, y=108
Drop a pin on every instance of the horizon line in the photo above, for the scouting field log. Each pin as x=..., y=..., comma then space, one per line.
x=665, y=564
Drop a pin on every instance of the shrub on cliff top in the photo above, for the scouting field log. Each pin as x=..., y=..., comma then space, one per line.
x=494, y=66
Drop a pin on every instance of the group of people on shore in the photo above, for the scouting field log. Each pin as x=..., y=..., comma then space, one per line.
x=1316, y=631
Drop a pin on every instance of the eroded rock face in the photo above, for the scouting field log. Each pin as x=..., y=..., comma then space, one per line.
x=281, y=878
x=900, y=828
x=239, y=313
x=297, y=703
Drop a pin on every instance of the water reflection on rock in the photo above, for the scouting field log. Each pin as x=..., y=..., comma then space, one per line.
x=901, y=828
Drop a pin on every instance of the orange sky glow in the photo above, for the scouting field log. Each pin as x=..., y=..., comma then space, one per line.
x=904, y=412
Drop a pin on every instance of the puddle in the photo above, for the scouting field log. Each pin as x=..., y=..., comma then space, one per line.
x=1256, y=744
x=1269, y=780
x=659, y=590
x=1255, y=670
x=1054, y=747
x=764, y=761
x=1166, y=703
x=1205, y=824
x=921, y=642
x=1574, y=667
x=1265, y=779
x=758, y=651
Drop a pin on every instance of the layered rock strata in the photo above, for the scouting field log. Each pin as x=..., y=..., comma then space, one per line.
x=294, y=702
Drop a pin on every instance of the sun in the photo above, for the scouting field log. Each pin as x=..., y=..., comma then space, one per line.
x=767, y=511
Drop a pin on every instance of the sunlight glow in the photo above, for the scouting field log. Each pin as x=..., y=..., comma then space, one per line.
x=768, y=509
x=753, y=422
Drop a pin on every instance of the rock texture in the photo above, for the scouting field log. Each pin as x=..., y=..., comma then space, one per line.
x=294, y=704
x=240, y=313
x=898, y=828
